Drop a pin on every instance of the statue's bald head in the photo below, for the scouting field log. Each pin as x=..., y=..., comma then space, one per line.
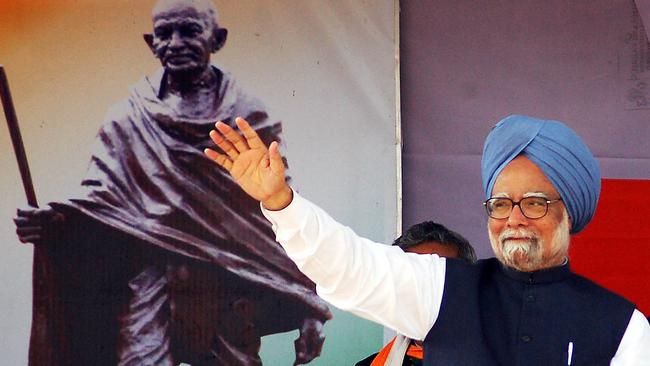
x=185, y=33
x=203, y=8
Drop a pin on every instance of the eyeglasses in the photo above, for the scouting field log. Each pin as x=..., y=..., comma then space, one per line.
x=531, y=207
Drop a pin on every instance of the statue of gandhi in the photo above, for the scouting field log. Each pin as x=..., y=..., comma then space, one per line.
x=161, y=258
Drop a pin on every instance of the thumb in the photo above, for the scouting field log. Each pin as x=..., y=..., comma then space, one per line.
x=300, y=352
x=275, y=159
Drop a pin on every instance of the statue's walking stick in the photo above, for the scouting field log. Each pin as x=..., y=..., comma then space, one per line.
x=42, y=329
x=16, y=139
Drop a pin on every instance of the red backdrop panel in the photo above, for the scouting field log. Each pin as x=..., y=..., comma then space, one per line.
x=614, y=250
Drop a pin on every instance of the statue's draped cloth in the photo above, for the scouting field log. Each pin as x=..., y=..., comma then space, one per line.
x=149, y=180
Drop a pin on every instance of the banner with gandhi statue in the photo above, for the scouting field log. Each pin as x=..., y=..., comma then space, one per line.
x=145, y=251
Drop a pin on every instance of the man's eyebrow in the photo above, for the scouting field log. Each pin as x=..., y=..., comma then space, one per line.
x=182, y=22
x=501, y=195
x=535, y=194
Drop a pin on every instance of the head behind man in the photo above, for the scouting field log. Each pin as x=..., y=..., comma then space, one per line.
x=431, y=238
x=185, y=34
x=541, y=184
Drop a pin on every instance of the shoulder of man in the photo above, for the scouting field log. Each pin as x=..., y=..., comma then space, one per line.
x=144, y=91
x=599, y=293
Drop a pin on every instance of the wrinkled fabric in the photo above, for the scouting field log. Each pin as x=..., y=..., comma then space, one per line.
x=144, y=328
x=149, y=183
x=557, y=150
x=148, y=177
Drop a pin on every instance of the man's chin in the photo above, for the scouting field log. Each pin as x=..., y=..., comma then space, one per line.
x=522, y=264
x=185, y=69
x=520, y=261
x=518, y=265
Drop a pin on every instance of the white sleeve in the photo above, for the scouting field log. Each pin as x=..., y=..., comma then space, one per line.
x=402, y=291
x=634, y=349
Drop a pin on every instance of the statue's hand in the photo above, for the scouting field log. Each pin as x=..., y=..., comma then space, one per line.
x=258, y=170
x=35, y=225
x=310, y=342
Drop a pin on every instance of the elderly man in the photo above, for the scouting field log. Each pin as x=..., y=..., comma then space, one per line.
x=162, y=259
x=524, y=307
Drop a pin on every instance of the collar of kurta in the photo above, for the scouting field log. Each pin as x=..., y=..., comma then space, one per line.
x=548, y=275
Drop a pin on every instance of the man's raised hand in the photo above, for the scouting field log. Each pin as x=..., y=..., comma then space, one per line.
x=258, y=170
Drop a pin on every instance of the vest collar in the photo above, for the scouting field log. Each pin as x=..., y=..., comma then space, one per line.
x=548, y=275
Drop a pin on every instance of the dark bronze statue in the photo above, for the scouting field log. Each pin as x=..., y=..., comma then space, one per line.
x=161, y=258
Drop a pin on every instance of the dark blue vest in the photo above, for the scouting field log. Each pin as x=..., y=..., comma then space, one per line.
x=492, y=315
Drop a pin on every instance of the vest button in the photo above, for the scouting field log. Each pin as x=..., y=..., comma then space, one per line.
x=530, y=298
x=526, y=338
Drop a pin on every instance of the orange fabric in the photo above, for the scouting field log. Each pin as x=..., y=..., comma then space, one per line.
x=414, y=351
x=381, y=357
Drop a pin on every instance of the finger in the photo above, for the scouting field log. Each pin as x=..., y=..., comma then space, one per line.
x=275, y=159
x=303, y=358
x=224, y=144
x=314, y=347
x=44, y=214
x=30, y=238
x=26, y=222
x=252, y=137
x=25, y=213
x=21, y=221
x=28, y=231
x=220, y=159
x=231, y=135
x=299, y=346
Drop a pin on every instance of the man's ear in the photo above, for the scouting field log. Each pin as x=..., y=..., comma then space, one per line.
x=219, y=35
x=148, y=39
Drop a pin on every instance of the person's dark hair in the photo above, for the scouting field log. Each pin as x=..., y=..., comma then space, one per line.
x=431, y=231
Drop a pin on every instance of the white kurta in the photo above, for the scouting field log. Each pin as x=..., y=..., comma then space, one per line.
x=377, y=281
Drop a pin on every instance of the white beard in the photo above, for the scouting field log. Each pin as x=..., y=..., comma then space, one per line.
x=528, y=255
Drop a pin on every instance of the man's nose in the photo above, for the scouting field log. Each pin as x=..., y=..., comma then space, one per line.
x=176, y=40
x=517, y=217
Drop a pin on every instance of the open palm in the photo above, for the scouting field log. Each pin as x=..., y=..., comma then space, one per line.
x=258, y=170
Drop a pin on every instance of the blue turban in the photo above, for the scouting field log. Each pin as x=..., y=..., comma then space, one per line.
x=557, y=151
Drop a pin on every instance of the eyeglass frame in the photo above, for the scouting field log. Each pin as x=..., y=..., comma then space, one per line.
x=518, y=203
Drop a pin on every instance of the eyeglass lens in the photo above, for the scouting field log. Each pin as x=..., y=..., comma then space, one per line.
x=531, y=207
